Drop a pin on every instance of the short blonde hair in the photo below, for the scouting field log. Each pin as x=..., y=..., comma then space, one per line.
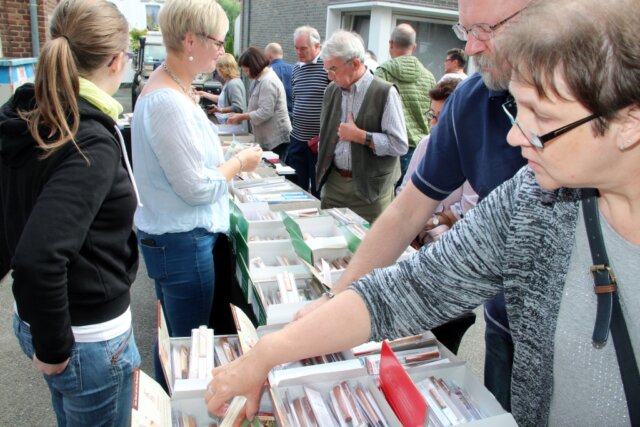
x=228, y=67
x=202, y=17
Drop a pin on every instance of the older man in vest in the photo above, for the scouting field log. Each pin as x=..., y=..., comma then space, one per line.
x=362, y=132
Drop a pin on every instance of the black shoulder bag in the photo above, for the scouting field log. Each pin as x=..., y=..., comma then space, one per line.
x=609, y=313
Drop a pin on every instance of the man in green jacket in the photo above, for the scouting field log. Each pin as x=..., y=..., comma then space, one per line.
x=413, y=81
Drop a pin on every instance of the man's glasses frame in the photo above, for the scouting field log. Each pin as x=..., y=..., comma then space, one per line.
x=430, y=115
x=482, y=31
x=510, y=108
x=335, y=68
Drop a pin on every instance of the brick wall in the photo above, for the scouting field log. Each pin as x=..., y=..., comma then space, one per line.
x=276, y=20
x=15, y=26
x=443, y=4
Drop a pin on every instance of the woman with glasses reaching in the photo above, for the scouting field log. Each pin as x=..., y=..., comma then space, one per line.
x=180, y=168
x=571, y=61
x=68, y=199
x=267, y=110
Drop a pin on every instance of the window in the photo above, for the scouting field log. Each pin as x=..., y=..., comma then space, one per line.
x=433, y=40
x=361, y=26
x=153, y=10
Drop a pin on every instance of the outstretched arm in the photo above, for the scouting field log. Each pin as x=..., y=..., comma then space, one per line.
x=340, y=324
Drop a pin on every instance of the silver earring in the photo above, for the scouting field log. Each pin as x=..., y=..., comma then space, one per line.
x=623, y=146
x=190, y=58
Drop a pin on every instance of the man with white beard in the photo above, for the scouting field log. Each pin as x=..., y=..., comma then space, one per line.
x=469, y=143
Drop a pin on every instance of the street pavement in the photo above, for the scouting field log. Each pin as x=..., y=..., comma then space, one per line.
x=24, y=396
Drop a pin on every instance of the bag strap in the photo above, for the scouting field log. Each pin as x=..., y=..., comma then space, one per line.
x=609, y=312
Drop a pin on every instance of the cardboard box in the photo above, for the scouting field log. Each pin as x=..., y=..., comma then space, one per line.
x=260, y=176
x=460, y=374
x=316, y=237
x=268, y=251
x=248, y=336
x=284, y=393
x=270, y=307
x=279, y=196
x=417, y=350
x=151, y=406
x=178, y=388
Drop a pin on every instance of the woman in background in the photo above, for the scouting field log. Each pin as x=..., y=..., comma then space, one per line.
x=233, y=98
x=68, y=234
x=181, y=169
x=267, y=110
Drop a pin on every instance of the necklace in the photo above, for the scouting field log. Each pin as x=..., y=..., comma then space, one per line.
x=189, y=92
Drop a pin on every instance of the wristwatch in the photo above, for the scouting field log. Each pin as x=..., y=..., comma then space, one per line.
x=368, y=139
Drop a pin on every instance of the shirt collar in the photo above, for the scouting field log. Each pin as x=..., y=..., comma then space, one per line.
x=366, y=77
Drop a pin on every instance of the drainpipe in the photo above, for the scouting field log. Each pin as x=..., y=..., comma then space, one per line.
x=248, y=28
x=35, y=36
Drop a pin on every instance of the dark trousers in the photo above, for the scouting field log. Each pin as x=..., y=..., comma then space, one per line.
x=304, y=162
x=404, y=164
x=281, y=150
x=498, y=363
x=450, y=334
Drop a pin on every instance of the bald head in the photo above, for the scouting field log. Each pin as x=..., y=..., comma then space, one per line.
x=404, y=36
x=273, y=51
x=403, y=41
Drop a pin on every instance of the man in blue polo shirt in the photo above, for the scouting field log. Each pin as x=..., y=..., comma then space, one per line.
x=274, y=53
x=469, y=143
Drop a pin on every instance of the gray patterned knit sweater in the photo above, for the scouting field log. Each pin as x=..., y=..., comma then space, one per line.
x=517, y=241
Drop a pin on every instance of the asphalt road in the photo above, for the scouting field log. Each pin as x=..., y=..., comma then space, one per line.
x=24, y=396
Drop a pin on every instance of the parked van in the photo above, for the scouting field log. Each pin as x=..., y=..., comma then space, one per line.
x=151, y=55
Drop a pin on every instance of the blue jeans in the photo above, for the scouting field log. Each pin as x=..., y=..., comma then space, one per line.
x=303, y=161
x=95, y=388
x=498, y=363
x=181, y=264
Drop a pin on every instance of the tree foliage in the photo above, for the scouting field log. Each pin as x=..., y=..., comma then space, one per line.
x=134, y=37
x=232, y=9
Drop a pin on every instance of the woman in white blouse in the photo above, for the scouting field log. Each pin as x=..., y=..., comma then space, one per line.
x=267, y=109
x=180, y=167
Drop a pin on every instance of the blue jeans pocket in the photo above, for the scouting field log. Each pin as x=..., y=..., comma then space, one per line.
x=155, y=260
x=23, y=334
x=69, y=380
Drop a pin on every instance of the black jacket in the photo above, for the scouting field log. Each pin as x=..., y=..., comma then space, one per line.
x=66, y=226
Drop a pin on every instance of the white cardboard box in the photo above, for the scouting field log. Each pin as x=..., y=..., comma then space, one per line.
x=495, y=415
x=178, y=388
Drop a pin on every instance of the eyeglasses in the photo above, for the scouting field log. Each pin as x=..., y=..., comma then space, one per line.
x=430, y=115
x=510, y=108
x=482, y=32
x=335, y=68
x=128, y=55
x=219, y=44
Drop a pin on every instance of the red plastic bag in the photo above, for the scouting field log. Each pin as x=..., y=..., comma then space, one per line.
x=313, y=144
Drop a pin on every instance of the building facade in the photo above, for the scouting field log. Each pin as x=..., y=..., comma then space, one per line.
x=16, y=29
x=373, y=20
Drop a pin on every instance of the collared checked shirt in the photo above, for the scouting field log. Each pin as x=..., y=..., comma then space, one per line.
x=392, y=141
